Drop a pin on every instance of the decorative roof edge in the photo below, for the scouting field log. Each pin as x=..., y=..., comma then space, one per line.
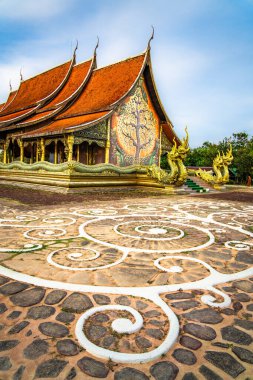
x=41, y=102
x=20, y=117
x=67, y=130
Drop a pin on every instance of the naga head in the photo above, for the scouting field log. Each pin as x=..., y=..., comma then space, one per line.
x=228, y=157
x=183, y=149
x=218, y=160
x=173, y=152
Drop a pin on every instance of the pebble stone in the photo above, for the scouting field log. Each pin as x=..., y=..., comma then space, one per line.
x=5, y=363
x=29, y=333
x=152, y=314
x=101, y=299
x=65, y=317
x=96, y=332
x=8, y=344
x=244, y=285
x=3, y=308
x=190, y=343
x=232, y=334
x=67, y=347
x=19, y=327
x=14, y=314
x=142, y=342
x=243, y=354
x=237, y=306
x=185, y=305
x=93, y=367
x=250, y=307
x=189, y=376
x=123, y=300
x=19, y=373
x=200, y=331
x=242, y=297
x=53, y=329
x=108, y=341
x=220, y=344
x=13, y=288
x=179, y=296
x=100, y=318
x=36, y=349
x=155, y=333
x=247, y=325
x=208, y=373
x=164, y=370
x=154, y=322
x=129, y=373
x=184, y=356
x=72, y=374
x=50, y=368
x=225, y=362
x=244, y=257
x=40, y=312
x=76, y=303
x=207, y=315
x=28, y=297
x=140, y=305
x=55, y=296
x=3, y=280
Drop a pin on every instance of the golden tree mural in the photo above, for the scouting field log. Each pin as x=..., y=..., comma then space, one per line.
x=137, y=125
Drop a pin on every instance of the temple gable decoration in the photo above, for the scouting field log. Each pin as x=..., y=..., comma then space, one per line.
x=135, y=130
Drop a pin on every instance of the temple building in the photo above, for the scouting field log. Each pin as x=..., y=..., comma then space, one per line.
x=89, y=114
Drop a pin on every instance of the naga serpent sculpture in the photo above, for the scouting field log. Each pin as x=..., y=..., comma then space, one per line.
x=175, y=158
x=220, y=168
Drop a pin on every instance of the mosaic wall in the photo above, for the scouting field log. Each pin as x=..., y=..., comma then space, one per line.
x=135, y=130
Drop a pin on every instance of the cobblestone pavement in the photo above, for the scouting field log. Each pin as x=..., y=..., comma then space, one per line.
x=131, y=289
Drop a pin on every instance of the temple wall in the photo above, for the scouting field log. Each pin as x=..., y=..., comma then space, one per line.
x=135, y=135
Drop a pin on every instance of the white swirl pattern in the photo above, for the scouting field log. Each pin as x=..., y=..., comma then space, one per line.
x=147, y=225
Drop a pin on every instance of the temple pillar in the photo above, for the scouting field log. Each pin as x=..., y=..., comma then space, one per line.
x=21, y=146
x=6, y=146
x=43, y=148
x=70, y=142
x=108, y=142
x=55, y=152
x=78, y=153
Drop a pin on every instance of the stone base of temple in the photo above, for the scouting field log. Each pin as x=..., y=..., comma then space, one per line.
x=71, y=176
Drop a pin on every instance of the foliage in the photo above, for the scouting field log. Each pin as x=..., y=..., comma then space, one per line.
x=242, y=145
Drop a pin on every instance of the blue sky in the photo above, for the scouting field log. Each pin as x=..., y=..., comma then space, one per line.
x=202, y=53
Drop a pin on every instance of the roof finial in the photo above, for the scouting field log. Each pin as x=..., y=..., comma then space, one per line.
x=95, y=50
x=21, y=76
x=152, y=36
x=10, y=85
x=74, y=53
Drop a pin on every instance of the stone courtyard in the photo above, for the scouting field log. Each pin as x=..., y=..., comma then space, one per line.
x=130, y=287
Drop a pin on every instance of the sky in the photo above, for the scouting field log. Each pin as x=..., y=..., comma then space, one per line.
x=202, y=52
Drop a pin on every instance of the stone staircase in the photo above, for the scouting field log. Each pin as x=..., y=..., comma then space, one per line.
x=197, y=185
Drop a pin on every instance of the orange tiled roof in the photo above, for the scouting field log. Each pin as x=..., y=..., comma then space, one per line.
x=15, y=114
x=10, y=98
x=36, y=117
x=77, y=76
x=58, y=126
x=33, y=90
x=106, y=86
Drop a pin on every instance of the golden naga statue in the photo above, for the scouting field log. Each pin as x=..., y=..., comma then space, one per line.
x=175, y=158
x=220, y=169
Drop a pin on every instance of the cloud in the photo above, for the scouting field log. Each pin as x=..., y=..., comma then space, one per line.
x=203, y=73
x=30, y=10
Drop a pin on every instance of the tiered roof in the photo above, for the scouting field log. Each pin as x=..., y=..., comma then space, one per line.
x=74, y=96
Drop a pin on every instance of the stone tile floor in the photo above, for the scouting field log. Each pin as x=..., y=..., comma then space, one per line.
x=71, y=272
